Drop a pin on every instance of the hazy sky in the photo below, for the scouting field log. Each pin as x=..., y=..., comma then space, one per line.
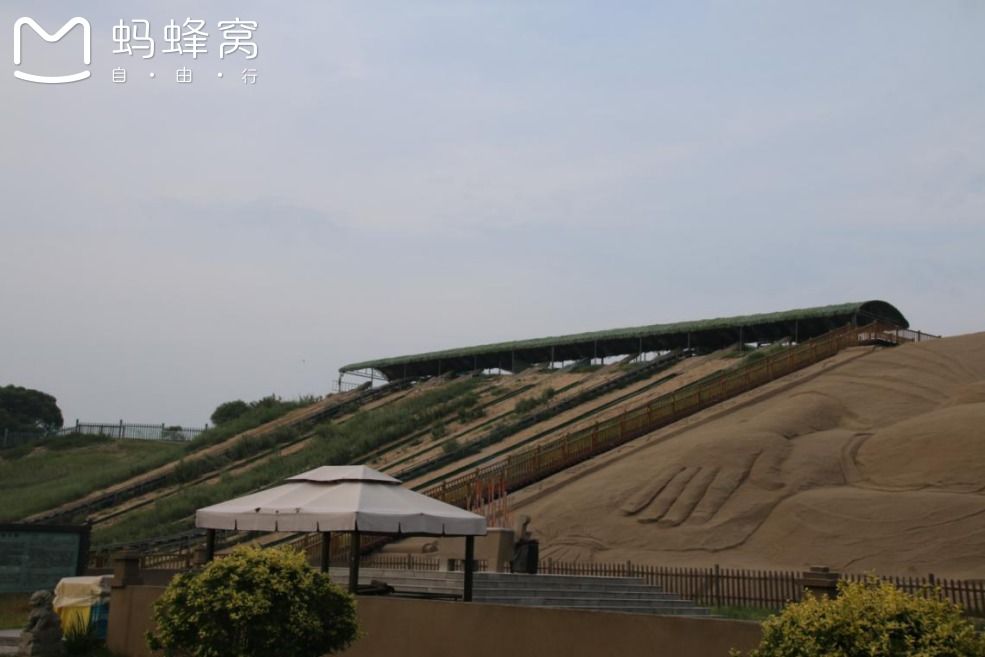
x=407, y=176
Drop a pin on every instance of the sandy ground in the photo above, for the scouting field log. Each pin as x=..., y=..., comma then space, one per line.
x=874, y=460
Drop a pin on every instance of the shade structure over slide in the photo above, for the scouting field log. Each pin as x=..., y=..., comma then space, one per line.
x=708, y=334
x=352, y=499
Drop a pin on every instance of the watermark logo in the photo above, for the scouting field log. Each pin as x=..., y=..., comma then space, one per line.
x=52, y=38
x=135, y=44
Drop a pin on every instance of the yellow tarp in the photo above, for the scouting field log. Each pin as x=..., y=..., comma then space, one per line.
x=75, y=598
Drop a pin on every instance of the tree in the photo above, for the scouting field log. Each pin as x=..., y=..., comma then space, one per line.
x=24, y=409
x=870, y=618
x=254, y=603
x=229, y=410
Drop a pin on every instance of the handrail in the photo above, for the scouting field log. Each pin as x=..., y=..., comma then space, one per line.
x=538, y=462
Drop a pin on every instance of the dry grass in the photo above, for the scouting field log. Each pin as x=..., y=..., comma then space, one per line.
x=13, y=610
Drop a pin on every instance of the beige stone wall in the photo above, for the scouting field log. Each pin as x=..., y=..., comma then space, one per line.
x=423, y=628
x=130, y=618
x=419, y=628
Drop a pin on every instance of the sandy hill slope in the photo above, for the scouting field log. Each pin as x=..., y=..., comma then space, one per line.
x=876, y=463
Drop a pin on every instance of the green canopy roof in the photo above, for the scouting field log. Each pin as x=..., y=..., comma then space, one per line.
x=800, y=324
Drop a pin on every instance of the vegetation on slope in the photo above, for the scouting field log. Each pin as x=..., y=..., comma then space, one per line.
x=259, y=412
x=33, y=479
x=332, y=443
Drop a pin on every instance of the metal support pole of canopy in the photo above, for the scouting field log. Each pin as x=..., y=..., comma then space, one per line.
x=209, y=545
x=354, y=562
x=326, y=550
x=469, y=565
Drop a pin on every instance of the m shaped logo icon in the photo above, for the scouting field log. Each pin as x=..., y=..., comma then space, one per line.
x=51, y=38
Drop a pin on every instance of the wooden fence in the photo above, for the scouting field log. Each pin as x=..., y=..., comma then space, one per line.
x=169, y=561
x=184, y=560
x=536, y=463
x=713, y=586
x=970, y=594
x=766, y=589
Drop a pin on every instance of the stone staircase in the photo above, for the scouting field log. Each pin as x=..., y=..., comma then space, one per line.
x=624, y=594
x=8, y=641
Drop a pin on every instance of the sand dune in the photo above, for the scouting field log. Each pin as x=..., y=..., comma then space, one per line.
x=876, y=464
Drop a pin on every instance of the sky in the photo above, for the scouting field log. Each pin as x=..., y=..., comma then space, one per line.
x=408, y=176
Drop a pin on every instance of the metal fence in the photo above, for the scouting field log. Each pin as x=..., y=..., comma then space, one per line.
x=119, y=430
x=126, y=431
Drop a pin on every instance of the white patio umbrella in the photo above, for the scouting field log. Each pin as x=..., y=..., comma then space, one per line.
x=352, y=499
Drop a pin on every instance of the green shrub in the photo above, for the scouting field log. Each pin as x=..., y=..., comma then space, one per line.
x=466, y=415
x=254, y=603
x=260, y=412
x=530, y=403
x=229, y=410
x=450, y=446
x=870, y=618
x=81, y=640
x=439, y=430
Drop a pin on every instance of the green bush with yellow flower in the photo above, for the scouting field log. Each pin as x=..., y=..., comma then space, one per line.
x=253, y=603
x=871, y=619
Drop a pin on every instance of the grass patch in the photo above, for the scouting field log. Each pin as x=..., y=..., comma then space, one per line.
x=751, y=355
x=743, y=613
x=528, y=404
x=584, y=367
x=59, y=472
x=14, y=609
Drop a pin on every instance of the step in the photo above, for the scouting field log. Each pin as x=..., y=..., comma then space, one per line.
x=667, y=611
x=593, y=595
x=587, y=602
x=565, y=579
x=9, y=639
x=557, y=586
x=564, y=591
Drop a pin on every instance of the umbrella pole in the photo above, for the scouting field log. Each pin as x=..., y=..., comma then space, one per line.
x=326, y=550
x=354, y=562
x=469, y=563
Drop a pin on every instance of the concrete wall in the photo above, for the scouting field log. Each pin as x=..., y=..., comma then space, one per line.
x=424, y=628
x=130, y=616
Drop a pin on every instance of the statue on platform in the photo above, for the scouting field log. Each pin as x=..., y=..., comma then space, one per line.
x=42, y=636
x=526, y=549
